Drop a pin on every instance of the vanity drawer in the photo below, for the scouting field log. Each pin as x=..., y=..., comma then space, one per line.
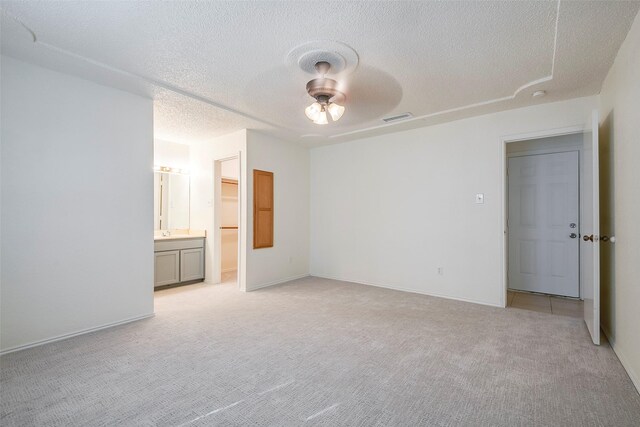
x=177, y=244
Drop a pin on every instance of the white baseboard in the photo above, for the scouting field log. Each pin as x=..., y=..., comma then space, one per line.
x=624, y=361
x=276, y=282
x=73, y=334
x=413, y=291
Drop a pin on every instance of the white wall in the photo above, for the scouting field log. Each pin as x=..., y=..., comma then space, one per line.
x=77, y=205
x=289, y=257
x=391, y=210
x=172, y=154
x=620, y=143
x=203, y=156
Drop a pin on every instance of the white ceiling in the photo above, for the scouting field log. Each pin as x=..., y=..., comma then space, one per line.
x=215, y=67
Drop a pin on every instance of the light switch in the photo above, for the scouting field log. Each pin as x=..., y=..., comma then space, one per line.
x=480, y=198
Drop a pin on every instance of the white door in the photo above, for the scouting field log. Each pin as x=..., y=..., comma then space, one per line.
x=590, y=228
x=543, y=223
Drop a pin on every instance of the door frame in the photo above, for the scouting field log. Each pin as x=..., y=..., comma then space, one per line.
x=578, y=129
x=217, y=233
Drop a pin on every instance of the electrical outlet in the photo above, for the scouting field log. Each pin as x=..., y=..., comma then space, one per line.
x=440, y=271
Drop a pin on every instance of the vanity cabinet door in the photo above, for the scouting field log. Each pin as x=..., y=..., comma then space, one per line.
x=167, y=268
x=191, y=264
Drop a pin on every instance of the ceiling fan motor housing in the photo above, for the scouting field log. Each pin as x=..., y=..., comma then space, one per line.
x=325, y=90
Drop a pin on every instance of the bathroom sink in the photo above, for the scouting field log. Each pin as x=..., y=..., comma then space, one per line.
x=191, y=234
x=175, y=236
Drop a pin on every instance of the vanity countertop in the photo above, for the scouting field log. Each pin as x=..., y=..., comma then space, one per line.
x=180, y=235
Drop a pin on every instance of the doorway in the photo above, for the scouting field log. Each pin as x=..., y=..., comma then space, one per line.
x=542, y=224
x=588, y=227
x=229, y=219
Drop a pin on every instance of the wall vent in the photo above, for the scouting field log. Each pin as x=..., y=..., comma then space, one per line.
x=397, y=118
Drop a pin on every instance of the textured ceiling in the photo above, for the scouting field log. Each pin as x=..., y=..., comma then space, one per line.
x=215, y=67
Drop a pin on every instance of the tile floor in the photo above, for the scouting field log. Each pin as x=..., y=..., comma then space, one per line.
x=545, y=304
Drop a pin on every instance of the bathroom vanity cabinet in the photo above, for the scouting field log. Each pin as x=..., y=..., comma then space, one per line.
x=179, y=260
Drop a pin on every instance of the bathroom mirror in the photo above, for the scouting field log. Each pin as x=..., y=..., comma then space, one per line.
x=171, y=201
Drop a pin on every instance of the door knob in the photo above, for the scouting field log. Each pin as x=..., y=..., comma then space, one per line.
x=587, y=238
x=573, y=235
x=611, y=239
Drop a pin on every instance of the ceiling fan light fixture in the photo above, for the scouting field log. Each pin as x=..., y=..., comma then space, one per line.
x=328, y=99
x=313, y=111
x=321, y=119
x=336, y=111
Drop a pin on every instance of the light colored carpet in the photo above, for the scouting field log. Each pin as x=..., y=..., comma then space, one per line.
x=321, y=352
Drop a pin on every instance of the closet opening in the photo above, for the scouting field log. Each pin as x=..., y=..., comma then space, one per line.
x=229, y=220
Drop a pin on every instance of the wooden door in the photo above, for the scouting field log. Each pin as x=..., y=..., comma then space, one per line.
x=262, y=209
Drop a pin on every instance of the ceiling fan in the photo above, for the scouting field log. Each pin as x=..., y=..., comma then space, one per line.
x=328, y=99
